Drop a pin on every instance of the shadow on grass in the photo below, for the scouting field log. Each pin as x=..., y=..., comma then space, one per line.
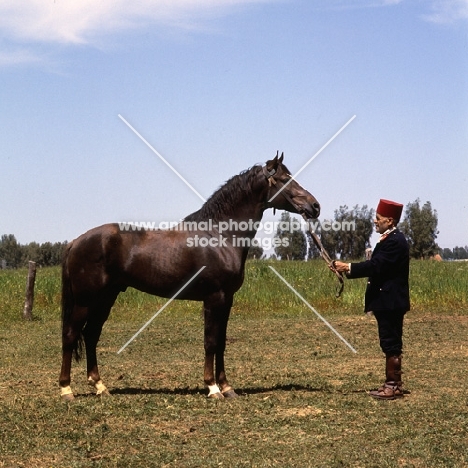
x=199, y=391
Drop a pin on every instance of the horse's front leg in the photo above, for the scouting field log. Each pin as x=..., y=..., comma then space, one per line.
x=216, y=319
x=226, y=390
x=213, y=390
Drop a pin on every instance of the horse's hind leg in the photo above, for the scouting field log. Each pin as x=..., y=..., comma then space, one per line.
x=71, y=332
x=91, y=334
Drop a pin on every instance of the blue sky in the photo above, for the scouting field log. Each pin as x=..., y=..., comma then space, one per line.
x=218, y=86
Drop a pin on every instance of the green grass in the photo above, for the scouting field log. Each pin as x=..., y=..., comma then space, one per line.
x=303, y=394
x=435, y=286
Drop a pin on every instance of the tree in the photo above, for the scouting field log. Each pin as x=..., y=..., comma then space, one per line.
x=255, y=251
x=31, y=252
x=10, y=251
x=14, y=255
x=291, y=239
x=447, y=254
x=348, y=235
x=460, y=253
x=58, y=249
x=328, y=239
x=420, y=228
x=313, y=251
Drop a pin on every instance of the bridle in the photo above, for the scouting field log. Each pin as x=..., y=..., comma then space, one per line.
x=318, y=243
x=272, y=181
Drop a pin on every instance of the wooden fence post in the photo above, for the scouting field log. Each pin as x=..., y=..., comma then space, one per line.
x=28, y=303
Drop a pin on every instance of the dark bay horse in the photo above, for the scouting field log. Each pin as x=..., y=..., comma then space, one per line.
x=106, y=260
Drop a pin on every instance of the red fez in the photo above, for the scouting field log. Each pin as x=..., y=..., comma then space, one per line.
x=390, y=209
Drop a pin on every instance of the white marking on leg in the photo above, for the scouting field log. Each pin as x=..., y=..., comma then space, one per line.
x=66, y=391
x=99, y=386
x=213, y=389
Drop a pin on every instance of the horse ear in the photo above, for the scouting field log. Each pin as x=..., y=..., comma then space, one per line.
x=281, y=158
x=272, y=164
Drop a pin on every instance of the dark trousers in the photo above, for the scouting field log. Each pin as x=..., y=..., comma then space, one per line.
x=390, y=326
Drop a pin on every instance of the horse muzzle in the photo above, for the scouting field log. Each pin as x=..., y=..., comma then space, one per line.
x=311, y=210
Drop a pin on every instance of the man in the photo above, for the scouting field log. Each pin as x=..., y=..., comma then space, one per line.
x=387, y=292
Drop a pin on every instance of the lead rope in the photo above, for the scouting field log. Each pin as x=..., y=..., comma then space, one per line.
x=325, y=256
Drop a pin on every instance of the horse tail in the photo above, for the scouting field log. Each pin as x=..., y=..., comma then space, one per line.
x=68, y=303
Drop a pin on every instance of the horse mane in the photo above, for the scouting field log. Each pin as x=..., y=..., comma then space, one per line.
x=227, y=197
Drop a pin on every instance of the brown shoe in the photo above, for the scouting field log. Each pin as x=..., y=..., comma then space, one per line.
x=388, y=391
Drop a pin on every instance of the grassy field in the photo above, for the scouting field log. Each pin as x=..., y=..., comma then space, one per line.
x=303, y=401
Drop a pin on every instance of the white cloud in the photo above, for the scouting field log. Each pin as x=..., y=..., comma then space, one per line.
x=27, y=26
x=81, y=21
x=448, y=11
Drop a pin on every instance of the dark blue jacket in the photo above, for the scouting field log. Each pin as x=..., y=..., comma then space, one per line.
x=388, y=272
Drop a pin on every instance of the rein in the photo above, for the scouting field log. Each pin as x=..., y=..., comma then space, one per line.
x=318, y=243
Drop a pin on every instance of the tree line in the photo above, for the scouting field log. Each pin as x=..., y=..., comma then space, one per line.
x=457, y=253
x=15, y=255
x=419, y=225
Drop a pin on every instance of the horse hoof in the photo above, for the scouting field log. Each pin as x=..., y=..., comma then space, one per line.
x=216, y=396
x=68, y=397
x=66, y=393
x=230, y=393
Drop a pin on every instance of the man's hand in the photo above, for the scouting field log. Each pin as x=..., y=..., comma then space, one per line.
x=341, y=267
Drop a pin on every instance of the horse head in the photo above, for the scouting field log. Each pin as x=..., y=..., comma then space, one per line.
x=285, y=193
